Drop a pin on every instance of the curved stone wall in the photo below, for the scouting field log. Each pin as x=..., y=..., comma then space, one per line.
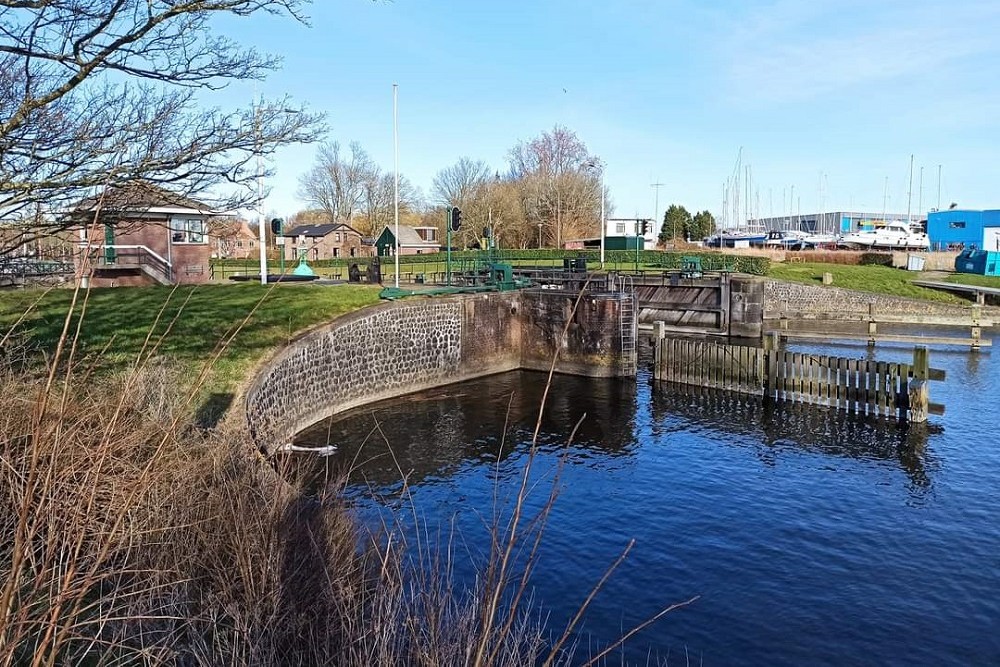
x=377, y=353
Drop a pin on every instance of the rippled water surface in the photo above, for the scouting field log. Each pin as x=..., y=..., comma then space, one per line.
x=811, y=537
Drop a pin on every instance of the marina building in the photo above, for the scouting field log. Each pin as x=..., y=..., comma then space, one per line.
x=836, y=222
x=963, y=228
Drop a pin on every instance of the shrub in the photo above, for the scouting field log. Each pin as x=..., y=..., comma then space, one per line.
x=875, y=259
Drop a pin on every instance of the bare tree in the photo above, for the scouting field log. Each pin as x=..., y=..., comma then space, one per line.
x=461, y=183
x=559, y=191
x=337, y=183
x=102, y=93
x=377, y=205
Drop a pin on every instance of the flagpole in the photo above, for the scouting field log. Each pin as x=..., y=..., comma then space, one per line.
x=395, y=184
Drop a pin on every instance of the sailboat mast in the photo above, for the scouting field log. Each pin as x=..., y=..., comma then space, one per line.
x=920, y=194
x=939, y=188
x=909, y=192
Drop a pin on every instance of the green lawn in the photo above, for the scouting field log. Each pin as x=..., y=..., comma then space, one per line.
x=194, y=321
x=879, y=279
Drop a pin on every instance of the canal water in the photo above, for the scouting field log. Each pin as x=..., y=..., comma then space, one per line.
x=808, y=536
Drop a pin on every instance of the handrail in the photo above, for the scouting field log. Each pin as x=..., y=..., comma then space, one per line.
x=147, y=249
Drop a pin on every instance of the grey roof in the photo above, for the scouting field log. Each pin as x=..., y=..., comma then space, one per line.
x=408, y=237
x=138, y=196
x=319, y=230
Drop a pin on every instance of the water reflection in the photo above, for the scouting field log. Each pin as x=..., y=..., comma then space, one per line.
x=434, y=434
x=774, y=427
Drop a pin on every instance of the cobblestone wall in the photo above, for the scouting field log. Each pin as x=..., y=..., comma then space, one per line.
x=403, y=347
x=810, y=301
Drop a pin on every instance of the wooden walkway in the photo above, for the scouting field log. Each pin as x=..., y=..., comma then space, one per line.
x=974, y=321
x=853, y=385
x=978, y=291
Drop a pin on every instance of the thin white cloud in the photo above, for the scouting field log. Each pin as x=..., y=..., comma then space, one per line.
x=794, y=51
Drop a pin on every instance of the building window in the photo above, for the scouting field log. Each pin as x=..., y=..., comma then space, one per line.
x=336, y=237
x=957, y=224
x=187, y=230
x=620, y=228
x=336, y=252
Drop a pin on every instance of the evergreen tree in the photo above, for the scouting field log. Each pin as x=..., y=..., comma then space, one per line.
x=702, y=226
x=676, y=223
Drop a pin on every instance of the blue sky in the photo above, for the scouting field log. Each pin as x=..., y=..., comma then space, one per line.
x=838, y=92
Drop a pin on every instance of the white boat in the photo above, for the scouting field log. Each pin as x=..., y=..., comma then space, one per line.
x=819, y=240
x=895, y=235
x=784, y=239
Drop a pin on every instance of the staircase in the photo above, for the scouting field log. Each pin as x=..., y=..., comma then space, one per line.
x=114, y=258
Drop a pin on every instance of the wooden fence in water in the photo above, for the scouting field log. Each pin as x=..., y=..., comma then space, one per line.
x=860, y=386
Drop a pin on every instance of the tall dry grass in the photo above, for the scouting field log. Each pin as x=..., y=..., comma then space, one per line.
x=129, y=535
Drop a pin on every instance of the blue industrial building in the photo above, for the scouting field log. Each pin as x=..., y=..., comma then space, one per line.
x=958, y=229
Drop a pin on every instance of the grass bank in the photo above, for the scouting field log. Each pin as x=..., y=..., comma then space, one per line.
x=972, y=279
x=877, y=279
x=185, y=324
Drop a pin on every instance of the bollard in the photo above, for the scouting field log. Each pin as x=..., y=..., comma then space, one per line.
x=827, y=278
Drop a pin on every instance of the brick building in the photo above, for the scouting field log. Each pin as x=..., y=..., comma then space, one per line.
x=142, y=235
x=232, y=238
x=412, y=241
x=327, y=241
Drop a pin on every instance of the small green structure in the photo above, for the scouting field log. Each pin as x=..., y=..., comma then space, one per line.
x=624, y=243
x=691, y=267
x=303, y=269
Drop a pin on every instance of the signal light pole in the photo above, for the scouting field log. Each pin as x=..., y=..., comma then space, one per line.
x=453, y=220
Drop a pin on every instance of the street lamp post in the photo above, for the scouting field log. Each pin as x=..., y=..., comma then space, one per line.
x=595, y=165
x=262, y=233
x=539, y=236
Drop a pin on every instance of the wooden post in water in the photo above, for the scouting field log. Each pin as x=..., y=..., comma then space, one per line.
x=917, y=388
x=872, y=327
x=659, y=337
x=977, y=331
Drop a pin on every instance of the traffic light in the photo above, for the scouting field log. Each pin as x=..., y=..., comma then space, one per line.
x=277, y=226
x=456, y=218
x=647, y=227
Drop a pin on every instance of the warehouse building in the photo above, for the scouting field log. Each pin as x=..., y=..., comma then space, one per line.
x=835, y=222
x=961, y=228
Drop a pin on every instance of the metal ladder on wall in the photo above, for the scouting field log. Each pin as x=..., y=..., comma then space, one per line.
x=628, y=314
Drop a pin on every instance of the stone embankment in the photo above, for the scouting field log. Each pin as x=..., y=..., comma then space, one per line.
x=401, y=347
x=797, y=301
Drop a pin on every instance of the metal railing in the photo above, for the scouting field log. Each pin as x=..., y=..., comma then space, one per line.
x=125, y=256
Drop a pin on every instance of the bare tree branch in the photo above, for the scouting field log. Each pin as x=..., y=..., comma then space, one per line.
x=101, y=93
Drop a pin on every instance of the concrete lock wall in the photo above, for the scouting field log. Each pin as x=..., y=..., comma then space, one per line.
x=402, y=347
x=746, y=307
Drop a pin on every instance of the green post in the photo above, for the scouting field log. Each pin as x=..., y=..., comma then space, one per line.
x=447, y=225
x=638, y=224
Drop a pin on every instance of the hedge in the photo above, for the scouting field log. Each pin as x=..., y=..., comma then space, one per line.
x=710, y=261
